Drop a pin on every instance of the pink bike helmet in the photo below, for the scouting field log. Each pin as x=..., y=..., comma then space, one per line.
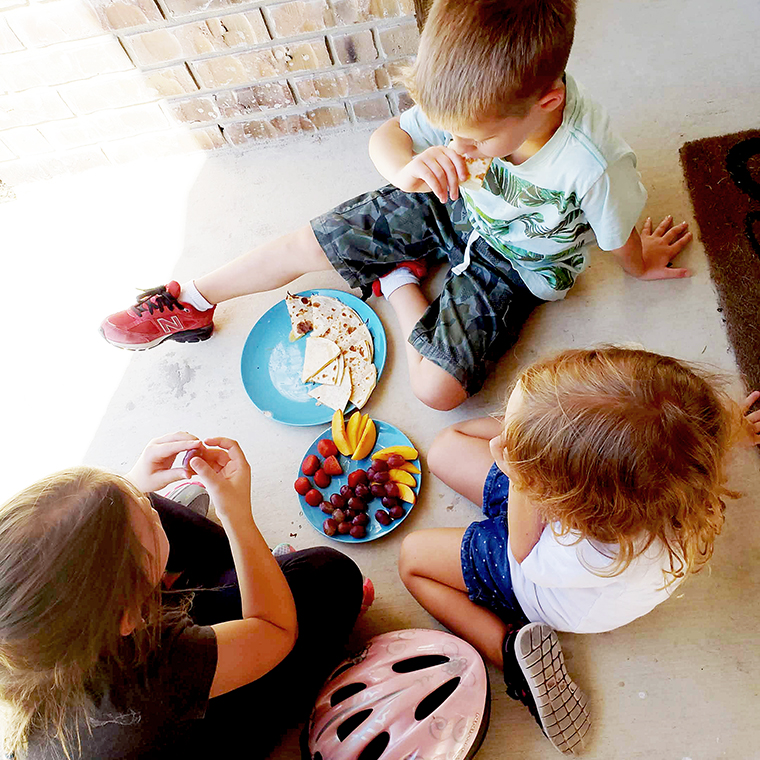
x=410, y=695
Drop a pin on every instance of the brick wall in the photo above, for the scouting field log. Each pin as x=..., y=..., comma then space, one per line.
x=86, y=83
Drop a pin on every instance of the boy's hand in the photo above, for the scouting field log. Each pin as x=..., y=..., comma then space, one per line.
x=751, y=421
x=438, y=169
x=153, y=469
x=226, y=474
x=660, y=247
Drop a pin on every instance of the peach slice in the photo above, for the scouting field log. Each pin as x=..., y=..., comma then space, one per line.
x=352, y=428
x=401, y=476
x=407, y=452
x=367, y=441
x=339, y=433
x=406, y=493
x=409, y=467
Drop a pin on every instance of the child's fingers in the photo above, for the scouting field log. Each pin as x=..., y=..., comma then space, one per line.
x=230, y=446
x=647, y=228
x=675, y=232
x=667, y=273
x=747, y=403
x=664, y=225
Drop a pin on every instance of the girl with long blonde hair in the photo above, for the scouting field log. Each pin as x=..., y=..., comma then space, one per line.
x=604, y=486
x=104, y=653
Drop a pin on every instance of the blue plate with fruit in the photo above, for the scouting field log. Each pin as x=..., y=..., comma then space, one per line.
x=373, y=487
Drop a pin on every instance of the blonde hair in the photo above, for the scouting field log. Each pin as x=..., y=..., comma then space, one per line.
x=488, y=59
x=70, y=565
x=625, y=447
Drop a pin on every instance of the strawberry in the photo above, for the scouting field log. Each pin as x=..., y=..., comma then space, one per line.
x=332, y=466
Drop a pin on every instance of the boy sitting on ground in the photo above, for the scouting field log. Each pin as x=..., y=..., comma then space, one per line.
x=489, y=82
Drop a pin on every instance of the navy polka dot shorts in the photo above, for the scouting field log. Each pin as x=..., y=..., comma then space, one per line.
x=485, y=564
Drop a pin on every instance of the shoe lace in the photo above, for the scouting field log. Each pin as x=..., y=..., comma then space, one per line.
x=156, y=299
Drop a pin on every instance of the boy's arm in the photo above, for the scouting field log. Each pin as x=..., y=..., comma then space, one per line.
x=438, y=169
x=647, y=256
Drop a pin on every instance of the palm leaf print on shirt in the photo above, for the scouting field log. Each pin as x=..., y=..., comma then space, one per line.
x=517, y=192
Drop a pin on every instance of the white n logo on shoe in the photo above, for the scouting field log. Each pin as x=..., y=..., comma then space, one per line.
x=169, y=325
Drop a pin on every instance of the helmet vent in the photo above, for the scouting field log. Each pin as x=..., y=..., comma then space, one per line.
x=342, y=669
x=376, y=747
x=419, y=663
x=348, y=725
x=345, y=692
x=435, y=699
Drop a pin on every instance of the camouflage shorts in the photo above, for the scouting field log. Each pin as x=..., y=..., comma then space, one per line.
x=479, y=313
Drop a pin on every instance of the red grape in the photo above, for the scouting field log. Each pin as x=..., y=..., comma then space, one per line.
x=344, y=527
x=327, y=508
x=389, y=501
x=346, y=492
x=395, y=460
x=310, y=465
x=361, y=519
x=356, y=477
x=337, y=501
x=313, y=498
x=371, y=473
x=302, y=485
x=391, y=489
x=379, y=465
x=382, y=517
x=327, y=448
x=329, y=526
x=362, y=492
x=397, y=512
x=339, y=516
x=377, y=489
x=350, y=514
x=382, y=477
x=358, y=531
x=322, y=479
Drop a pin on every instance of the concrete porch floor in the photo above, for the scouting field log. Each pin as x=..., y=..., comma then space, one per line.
x=680, y=683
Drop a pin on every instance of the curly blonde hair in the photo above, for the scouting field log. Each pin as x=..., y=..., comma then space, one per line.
x=488, y=59
x=625, y=447
x=71, y=565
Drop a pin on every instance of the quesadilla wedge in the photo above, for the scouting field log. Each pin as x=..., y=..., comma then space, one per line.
x=319, y=353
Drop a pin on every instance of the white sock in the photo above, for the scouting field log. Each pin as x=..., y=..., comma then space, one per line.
x=395, y=279
x=190, y=294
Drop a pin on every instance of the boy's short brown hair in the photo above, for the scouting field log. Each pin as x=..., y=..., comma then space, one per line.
x=485, y=59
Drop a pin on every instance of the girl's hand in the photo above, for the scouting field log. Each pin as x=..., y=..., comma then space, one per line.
x=226, y=474
x=751, y=420
x=438, y=170
x=153, y=470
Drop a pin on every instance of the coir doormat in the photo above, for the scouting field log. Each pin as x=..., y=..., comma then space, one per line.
x=723, y=177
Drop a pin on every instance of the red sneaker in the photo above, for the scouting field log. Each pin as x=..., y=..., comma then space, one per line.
x=157, y=316
x=418, y=267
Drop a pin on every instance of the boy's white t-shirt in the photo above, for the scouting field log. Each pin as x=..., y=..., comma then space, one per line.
x=556, y=584
x=581, y=187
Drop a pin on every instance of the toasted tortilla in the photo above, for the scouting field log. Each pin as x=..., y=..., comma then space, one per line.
x=332, y=374
x=334, y=396
x=329, y=319
x=478, y=168
x=363, y=374
x=299, y=311
x=319, y=353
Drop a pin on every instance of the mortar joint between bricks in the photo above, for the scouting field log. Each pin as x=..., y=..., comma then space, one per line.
x=301, y=109
x=287, y=77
